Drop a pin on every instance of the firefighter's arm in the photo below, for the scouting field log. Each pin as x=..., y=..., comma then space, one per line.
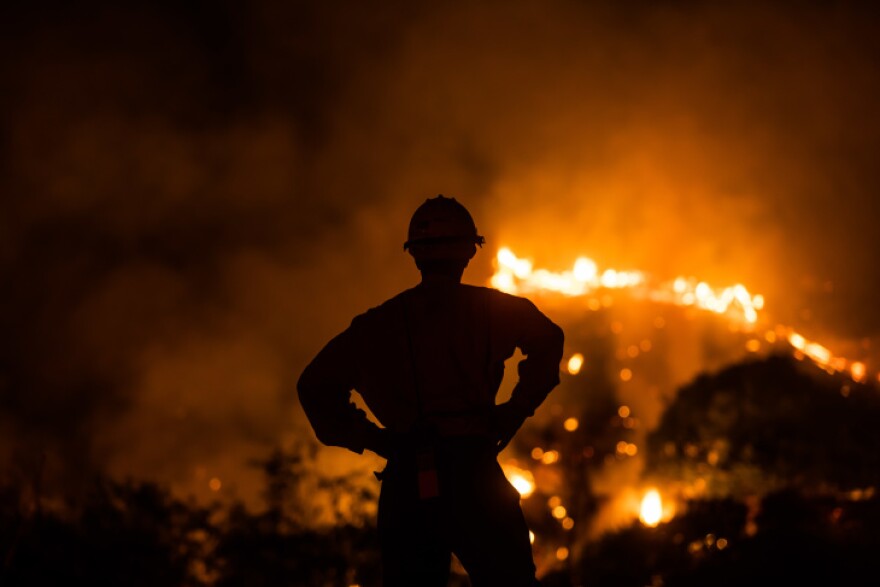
x=324, y=390
x=541, y=343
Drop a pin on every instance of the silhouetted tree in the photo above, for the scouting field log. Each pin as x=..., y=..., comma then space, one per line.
x=766, y=424
x=296, y=541
x=125, y=533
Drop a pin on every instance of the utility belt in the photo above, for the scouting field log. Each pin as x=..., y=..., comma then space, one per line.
x=451, y=423
x=423, y=451
x=416, y=450
x=421, y=444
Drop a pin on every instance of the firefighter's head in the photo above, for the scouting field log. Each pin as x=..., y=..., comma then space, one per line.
x=442, y=236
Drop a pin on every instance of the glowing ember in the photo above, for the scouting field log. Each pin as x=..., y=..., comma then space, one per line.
x=625, y=448
x=522, y=480
x=651, y=510
x=857, y=370
x=575, y=363
x=549, y=457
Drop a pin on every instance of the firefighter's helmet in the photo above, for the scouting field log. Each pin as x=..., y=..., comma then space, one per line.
x=440, y=226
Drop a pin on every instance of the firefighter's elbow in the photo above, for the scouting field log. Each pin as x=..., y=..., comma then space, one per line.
x=324, y=438
x=302, y=393
x=557, y=338
x=339, y=439
x=559, y=333
x=323, y=433
x=308, y=391
x=304, y=381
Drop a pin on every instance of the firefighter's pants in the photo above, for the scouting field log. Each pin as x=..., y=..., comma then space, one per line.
x=477, y=516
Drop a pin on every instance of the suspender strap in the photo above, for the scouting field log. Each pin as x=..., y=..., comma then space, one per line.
x=412, y=362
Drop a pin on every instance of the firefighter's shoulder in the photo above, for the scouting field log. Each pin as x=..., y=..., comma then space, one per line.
x=386, y=311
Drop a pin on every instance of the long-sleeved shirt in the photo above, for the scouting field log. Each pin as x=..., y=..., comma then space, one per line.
x=434, y=353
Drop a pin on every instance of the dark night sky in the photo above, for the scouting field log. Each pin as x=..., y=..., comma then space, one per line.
x=197, y=195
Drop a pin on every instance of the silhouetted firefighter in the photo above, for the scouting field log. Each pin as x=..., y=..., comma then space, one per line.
x=428, y=363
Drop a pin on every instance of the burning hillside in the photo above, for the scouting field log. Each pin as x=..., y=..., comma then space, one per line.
x=196, y=195
x=632, y=343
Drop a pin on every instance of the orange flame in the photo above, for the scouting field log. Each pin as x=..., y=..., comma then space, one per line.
x=651, y=510
x=575, y=363
x=516, y=275
x=521, y=479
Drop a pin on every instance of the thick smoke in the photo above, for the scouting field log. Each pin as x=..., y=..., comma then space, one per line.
x=196, y=198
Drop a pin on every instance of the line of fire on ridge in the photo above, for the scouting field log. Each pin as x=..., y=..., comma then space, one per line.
x=517, y=275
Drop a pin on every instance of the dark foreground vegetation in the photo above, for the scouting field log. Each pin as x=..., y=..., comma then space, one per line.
x=137, y=535
x=787, y=457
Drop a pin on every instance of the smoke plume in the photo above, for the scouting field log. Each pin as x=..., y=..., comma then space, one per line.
x=197, y=197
